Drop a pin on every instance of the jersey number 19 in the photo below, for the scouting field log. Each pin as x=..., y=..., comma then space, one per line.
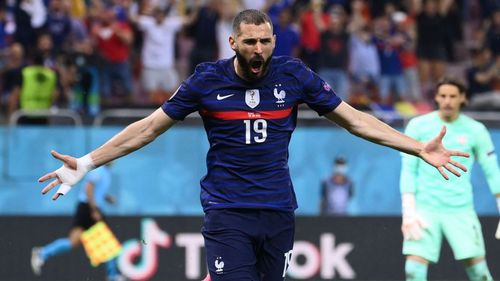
x=258, y=130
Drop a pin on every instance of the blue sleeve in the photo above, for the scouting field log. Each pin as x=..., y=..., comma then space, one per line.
x=185, y=100
x=317, y=94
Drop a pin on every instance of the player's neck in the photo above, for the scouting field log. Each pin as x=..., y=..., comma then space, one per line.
x=237, y=69
x=449, y=118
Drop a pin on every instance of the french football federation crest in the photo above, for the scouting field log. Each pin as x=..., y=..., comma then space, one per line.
x=279, y=96
x=252, y=98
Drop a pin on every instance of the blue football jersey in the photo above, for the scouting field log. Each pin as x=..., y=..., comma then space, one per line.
x=249, y=126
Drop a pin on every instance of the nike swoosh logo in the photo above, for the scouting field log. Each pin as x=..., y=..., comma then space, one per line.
x=219, y=97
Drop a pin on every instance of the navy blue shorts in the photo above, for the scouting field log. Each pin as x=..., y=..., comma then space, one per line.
x=248, y=244
x=83, y=216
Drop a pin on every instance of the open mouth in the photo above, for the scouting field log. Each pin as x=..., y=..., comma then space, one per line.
x=256, y=65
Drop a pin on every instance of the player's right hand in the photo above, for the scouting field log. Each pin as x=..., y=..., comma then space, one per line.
x=71, y=172
x=413, y=226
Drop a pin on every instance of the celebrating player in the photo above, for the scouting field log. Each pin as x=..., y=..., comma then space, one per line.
x=249, y=108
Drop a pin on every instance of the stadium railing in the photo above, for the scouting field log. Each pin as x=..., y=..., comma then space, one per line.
x=53, y=114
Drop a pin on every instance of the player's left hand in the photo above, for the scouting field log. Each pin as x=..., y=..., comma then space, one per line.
x=438, y=156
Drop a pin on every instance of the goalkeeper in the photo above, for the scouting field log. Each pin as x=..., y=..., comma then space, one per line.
x=90, y=202
x=433, y=208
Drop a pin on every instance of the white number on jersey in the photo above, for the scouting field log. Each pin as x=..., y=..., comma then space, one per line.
x=258, y=130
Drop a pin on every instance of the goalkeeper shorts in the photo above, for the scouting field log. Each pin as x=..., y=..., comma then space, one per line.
x=461, y=229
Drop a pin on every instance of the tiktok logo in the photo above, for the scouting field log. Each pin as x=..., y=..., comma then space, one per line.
x=152, y=237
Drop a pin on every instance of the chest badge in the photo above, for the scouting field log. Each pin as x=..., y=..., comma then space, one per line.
x=462, y=140
x=252, y=98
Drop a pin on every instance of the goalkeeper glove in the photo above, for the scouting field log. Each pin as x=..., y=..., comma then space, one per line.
x=70, y=177
x=413, y=224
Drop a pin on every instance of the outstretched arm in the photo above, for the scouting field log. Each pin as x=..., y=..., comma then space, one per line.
x=133, y=137
x=370, y=128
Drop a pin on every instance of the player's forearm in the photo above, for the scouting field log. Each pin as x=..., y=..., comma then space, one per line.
x=133, y=137
x=128, y=140
x=374, y=130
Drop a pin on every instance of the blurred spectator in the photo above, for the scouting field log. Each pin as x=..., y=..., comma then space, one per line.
x=408, y=57
x=228, y=9
x=54, y=61
x=11, y=75
x=78, y=8
x=432, y=42
x=287, y=35
x=204, y=34
x=84, y=79
x=114, y=39
x=274, y=8
x=364, y=66
x=29, y=16
x=360, y=16
x=45, y=47
x=391, y=70
x=79, y=34
x=488, y=7
x=453, y=20
x=158, y=75
x=7, y=26
x=336, y=190
x=58, y=23
x=493, y=33
x=483, y=78
x=334, y=53
x=313, y=16
x=37, y=90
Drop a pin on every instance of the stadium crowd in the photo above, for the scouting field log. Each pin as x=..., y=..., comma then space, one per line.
x=87, y=55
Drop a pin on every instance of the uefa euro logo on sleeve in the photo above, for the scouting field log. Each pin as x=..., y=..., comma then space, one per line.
x=252, y=98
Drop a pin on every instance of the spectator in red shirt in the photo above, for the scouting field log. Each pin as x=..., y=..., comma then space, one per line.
x=113, y=40
x=310, y=34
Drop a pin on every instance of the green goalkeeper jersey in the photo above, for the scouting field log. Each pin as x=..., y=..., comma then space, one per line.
x=431, y=190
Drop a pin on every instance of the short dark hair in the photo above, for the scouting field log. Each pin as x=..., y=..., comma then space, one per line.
x=454, y=82
x=250, y=16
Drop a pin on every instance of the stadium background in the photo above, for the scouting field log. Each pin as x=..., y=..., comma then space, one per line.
x=157, y=188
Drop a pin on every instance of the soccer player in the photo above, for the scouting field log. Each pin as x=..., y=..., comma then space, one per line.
x=90, y=202
x=248, y=104
x=433, y=208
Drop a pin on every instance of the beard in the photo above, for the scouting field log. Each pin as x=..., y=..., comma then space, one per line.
x=255, y=62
